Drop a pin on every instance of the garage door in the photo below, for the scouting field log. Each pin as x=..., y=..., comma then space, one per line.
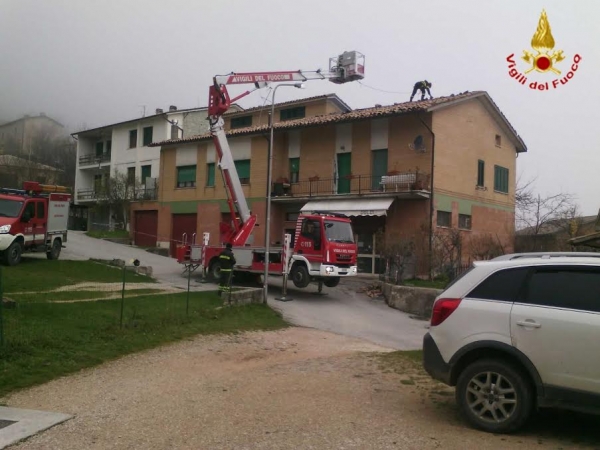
x=182, y=223
x=146, y=228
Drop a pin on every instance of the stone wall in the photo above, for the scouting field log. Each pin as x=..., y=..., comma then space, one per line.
x=412, y=300
x=244, y=296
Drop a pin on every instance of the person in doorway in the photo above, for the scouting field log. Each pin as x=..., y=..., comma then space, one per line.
x=421, y=86
x=227, y=261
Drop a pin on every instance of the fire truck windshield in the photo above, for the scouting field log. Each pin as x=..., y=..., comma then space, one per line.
x=10, y=208
x=336, y=231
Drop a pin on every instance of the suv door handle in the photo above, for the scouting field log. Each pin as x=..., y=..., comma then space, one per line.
x=529, y=323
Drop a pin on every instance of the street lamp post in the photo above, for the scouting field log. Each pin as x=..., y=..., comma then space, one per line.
x=269, y=176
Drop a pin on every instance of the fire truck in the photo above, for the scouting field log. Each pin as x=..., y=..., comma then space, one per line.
x=33, y=219
x=324, y=249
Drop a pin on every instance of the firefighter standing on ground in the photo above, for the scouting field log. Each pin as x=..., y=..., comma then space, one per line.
x=227, y=261
x=421, y=86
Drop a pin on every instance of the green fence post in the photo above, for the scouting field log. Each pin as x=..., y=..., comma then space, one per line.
x=123, y=293
x=187, y=302
x=1, y=315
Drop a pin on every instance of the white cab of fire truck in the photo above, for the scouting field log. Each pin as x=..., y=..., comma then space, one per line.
x=33, y=219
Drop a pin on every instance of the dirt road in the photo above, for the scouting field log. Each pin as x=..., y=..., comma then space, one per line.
x=291, y=389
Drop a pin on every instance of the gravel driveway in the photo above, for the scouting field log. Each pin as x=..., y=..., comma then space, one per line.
x=290, y=389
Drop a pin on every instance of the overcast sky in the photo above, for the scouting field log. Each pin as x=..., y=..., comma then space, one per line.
x=89, y=64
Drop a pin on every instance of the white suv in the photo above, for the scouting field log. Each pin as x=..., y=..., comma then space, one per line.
x=517, y=333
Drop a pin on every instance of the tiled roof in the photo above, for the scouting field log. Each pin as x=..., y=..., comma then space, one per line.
x=357, y=114
x=291, y=102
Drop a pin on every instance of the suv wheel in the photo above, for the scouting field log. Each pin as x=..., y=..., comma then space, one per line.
x=494, y=396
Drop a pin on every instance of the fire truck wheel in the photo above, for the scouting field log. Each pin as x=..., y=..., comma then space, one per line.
x=214, y=271
x=331, y=282
x=300, y=276
x=12, y=255
x=54, y=253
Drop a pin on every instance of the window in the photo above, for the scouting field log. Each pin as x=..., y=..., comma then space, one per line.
x=294, y=169
x=132, y=138
x=146, y=173
x=498, y=140
x=131, y=175
x=210, y=174
x=444, y=219
x=501, y=179
x=241, y=122
x=565, y=287
x=243, y=169
x=292, y=113
x=480, y=173
x=41, y=210
x=503, y=285
x=147, y=136
x=464, y=221
x=291, y=217
x=97, y=182
x=108, y=147
x=29, y=210
x=99, y=148
x=186, y=176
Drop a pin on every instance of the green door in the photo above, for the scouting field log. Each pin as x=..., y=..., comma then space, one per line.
x=379, y=167
x=344, y=164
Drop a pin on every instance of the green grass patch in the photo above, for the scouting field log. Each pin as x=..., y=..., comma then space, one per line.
x=44, y=341
x=78, y=295
x=105, y=234
x=33, y=275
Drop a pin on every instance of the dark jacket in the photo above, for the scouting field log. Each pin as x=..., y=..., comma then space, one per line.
x=227, y=259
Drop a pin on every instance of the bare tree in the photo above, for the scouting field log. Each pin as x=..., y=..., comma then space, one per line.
x=486, y=246
x=116, y=193
x=447, y=251
x=399, y=254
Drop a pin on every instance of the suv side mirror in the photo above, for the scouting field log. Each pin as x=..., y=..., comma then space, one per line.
x=26, y=217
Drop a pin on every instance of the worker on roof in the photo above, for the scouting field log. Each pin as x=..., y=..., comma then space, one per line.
x=226, y=261
x=421, y=86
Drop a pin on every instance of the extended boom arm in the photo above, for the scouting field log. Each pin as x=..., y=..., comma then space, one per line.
x=348, y=66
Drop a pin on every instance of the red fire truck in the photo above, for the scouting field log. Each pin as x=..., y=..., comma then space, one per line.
x=324, y=249
x=33, y=219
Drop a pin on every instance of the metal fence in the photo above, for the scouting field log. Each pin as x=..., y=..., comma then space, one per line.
x=352, y=184
x=43, y=307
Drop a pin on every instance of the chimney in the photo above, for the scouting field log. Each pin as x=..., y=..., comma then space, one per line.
x=174, y=132
x=42, y=114
x=172, y=108
x=159, y=111
x=377, y=105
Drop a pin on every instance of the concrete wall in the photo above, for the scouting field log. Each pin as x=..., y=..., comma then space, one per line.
x=411, y=300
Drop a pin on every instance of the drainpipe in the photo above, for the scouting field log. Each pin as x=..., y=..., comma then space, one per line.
x=430, y=197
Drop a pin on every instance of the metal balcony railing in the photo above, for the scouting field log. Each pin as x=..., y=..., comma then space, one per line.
x=86, y=160
x=138, y=194
x=353, y=184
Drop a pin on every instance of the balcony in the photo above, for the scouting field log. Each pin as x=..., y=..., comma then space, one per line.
x=401, y=184
x=94, y=160
x=137, y=195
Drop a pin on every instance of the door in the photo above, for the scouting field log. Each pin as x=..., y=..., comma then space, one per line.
x=146, y=228
x=344, y=166
x=182, y=223
x=29, y=225
x=556, y=324
x=310, y=240
x=40, y=222
x=378, y=168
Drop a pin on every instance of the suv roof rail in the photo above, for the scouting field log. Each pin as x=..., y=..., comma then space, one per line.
x=547, y=255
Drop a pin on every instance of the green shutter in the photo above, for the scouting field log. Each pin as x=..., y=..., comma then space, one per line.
x=186, y=174
x=147, y=136
x=294, y=165
x=210, y=174
x=501, y=179
x=146, y=173
x=243, y=168
x=99, y=148
x=241, y=122
x=480, y=173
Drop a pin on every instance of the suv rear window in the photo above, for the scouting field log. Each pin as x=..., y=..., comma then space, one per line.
x=565, y=287
x=503, y=285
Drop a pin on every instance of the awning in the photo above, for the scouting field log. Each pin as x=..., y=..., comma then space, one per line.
x=351, y=207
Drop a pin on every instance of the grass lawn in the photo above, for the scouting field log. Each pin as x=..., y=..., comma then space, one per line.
x=436, y=284
x=43, y=341
x=33, y=275
x=101, y=234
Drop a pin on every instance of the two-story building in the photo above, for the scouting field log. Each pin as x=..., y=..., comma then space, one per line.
x=449, y=162
x=124, y=147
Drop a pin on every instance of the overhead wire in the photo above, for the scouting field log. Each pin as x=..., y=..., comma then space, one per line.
x=383, y=90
